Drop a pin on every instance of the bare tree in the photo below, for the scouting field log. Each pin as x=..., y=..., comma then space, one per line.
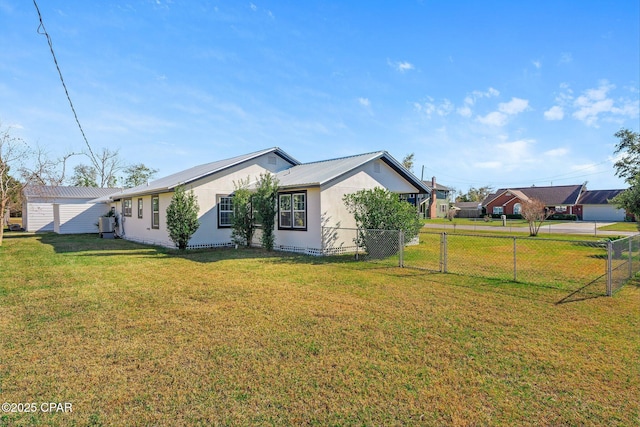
x=535, y=212
x=103, y=169
x=13, y=151
x=46, y=171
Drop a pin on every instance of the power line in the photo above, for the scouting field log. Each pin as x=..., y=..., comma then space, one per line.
x=55, y=60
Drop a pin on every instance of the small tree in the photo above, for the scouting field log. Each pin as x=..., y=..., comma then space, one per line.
x=265, y=204
x=380, y=209
x=628, y=167
x=13, y=151
x=182, y=217
x=138, y=174
x=535, y=212
x=242, y=223
x=407, y=161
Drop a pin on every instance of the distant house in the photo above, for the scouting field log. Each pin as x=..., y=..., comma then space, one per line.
x=438, y=204
x=42, y=205
x=586, y=205
x=562, y=199
x=596, y=207
x=310, y=197
x=469, y=209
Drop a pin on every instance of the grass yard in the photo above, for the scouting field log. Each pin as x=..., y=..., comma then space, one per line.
x=135, y=335
x=621, y=226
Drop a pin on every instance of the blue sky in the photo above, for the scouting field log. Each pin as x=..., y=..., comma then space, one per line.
x=500, y=93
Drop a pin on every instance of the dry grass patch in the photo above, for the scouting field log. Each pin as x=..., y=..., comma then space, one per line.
x=133, y=335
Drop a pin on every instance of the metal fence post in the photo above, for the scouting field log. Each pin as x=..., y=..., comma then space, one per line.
x=609, y=269
x=401, y=247
x=630, y=257
x=515, y=263
x=443, y=252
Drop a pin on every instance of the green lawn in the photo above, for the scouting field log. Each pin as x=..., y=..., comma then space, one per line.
x=621, y=226
x=135, y=335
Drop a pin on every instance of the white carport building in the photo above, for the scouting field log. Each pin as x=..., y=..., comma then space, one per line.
x=65, y=210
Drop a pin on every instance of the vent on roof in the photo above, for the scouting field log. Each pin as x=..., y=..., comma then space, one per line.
x=272, y=160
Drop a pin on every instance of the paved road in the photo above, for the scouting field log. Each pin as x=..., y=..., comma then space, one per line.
x=577, y=227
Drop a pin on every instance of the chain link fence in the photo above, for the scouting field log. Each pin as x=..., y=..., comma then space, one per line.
x=380, y=246
x=598, y=266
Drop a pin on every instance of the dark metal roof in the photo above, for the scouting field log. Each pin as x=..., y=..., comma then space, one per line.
x=598, y=197
x=64, y=192
x=438, y=186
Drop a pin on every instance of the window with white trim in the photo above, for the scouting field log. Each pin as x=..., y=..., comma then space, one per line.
x=127, y=205
x=292, y=211
x=498, y=210
x=155, y=211
x=225, y=211
x=517, y=209
x=140, y=205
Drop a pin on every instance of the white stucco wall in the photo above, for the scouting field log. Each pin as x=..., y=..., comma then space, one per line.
x=207, y=191
x=326, y=208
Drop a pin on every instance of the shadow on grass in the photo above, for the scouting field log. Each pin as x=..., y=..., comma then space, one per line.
x=17, y=235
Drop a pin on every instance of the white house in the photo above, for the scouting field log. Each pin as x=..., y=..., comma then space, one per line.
x=310, y=197
x=42, y=204
x=142, y=209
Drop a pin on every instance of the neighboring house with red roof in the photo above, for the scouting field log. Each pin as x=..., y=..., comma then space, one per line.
x=562, y=199
x=586, y=205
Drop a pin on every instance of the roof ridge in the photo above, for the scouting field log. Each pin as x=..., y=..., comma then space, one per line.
x=342, y=158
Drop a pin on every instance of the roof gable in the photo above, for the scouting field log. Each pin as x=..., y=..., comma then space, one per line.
x=170, y=182
x=598, y=197
x=550, y=196
x=323, y=172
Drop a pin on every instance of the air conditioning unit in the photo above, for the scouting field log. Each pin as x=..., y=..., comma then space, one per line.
x=106, y=226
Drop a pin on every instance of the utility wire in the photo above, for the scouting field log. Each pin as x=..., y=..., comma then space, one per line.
x=55, y=60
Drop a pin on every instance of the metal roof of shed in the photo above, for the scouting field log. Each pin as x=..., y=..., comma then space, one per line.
x=66, y=192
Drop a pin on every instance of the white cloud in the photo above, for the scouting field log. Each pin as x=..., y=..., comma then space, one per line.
x=470, y=100
x=505, y=109
x=364, y=102
x=556, y=152
x=253, y=7
x=429, y=107
x=596, y=103
x=401, y=66
x=537, y=64
x=495, y=118
x=464, y=111
x=566, y=58
x=515, y=106
x=554, y=113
